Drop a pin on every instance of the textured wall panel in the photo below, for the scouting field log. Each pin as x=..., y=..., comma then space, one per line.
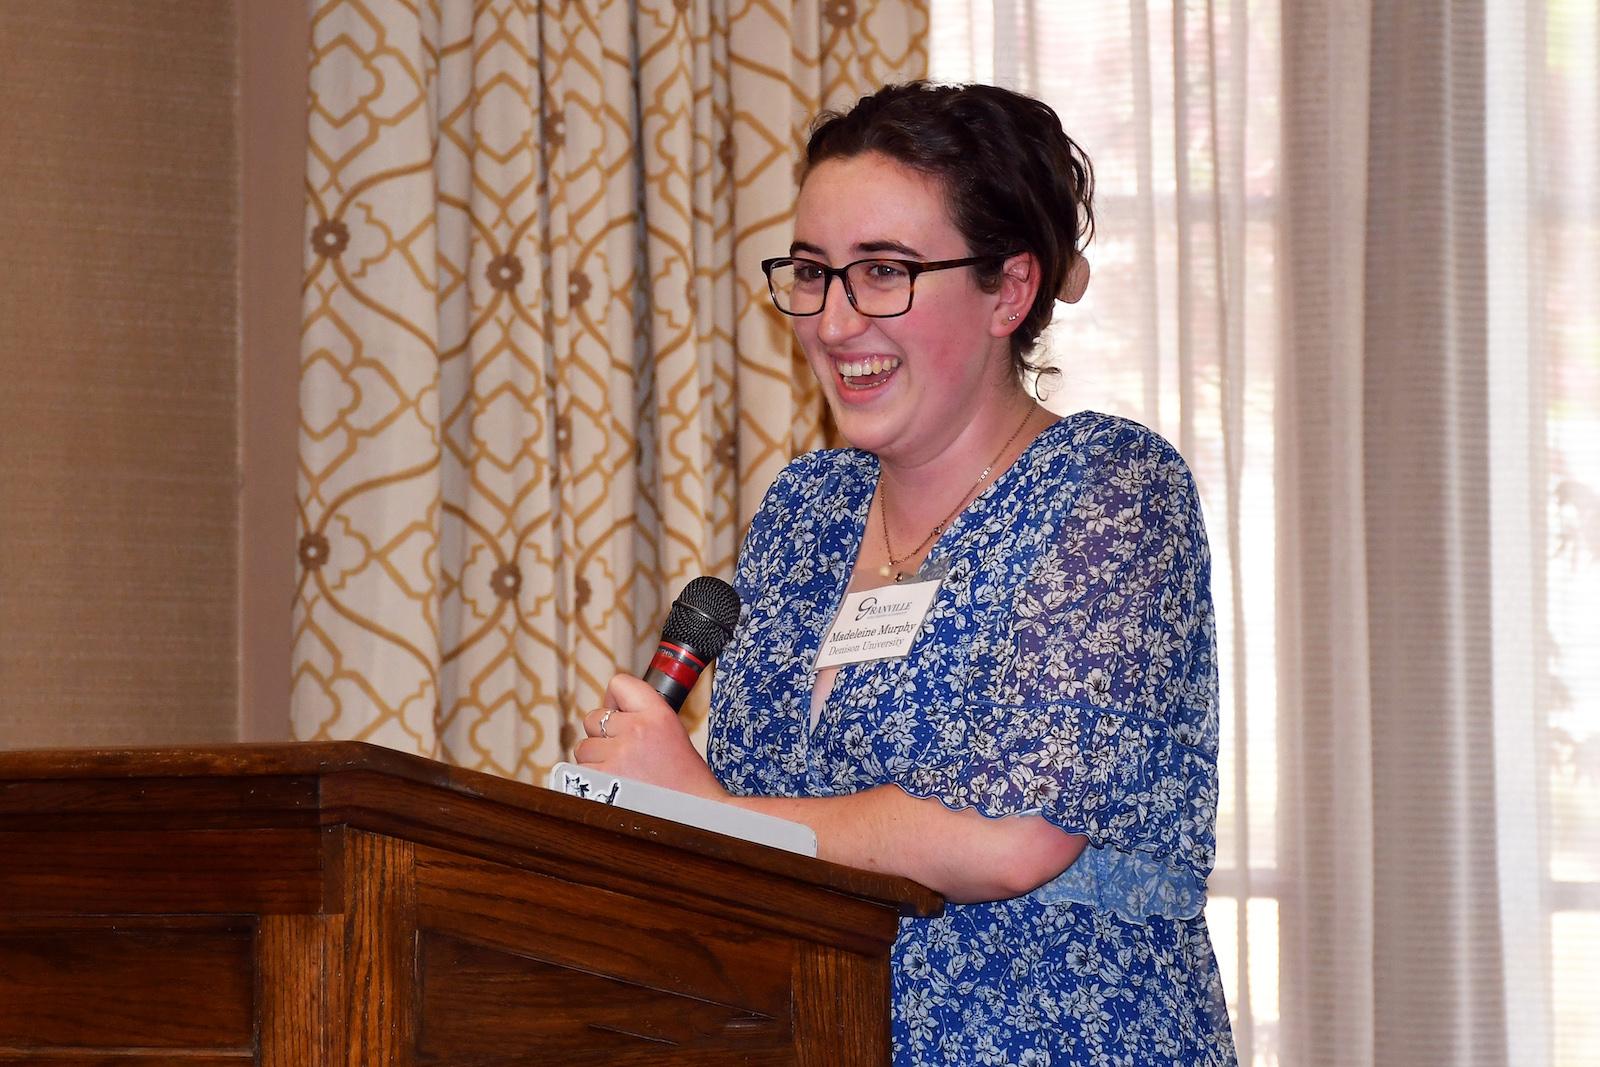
x=118, y=397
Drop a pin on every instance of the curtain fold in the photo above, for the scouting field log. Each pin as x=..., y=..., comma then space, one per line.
x=541, y=386
x=1436, y=925
x=1325, y=813
x=1518, y=531
x=1390, y=942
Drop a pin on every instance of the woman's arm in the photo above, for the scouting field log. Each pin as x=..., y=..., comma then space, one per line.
x=966, y=856
x=961, y=854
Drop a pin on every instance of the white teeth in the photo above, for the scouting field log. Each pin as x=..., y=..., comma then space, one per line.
x=875, y=365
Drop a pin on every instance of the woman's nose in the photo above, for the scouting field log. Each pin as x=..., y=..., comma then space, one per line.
x=839, y=318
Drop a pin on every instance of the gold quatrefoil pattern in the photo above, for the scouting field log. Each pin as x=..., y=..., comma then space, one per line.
x=541, y=384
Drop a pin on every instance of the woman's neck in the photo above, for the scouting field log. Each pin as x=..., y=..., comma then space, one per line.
x=920, y=493
x=915, y=504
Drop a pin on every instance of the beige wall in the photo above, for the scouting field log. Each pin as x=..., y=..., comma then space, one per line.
x=274, y=37
x=146, y=368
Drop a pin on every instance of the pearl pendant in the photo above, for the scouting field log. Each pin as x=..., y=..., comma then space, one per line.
x=884, y=570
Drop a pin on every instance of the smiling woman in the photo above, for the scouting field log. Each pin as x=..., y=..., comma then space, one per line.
x=1040, y=747
x=945, y=394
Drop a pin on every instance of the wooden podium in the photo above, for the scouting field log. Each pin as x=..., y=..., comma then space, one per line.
x=315, y=905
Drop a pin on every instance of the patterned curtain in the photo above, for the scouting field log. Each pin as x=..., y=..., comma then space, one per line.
x=541, y=384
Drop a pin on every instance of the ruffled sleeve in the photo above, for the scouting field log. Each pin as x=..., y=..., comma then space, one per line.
x=1098, y=704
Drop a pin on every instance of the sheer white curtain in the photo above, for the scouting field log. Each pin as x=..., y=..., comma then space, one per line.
x=1438, y=289
x=1350, y=264
x=1543, y=234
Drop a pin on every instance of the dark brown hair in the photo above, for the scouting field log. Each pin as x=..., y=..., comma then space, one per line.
x=1014, y=181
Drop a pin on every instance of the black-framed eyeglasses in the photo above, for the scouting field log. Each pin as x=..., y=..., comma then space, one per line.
x=876, y=288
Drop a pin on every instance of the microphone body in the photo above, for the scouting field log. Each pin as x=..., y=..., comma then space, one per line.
x=673, y=672
x=698, y=627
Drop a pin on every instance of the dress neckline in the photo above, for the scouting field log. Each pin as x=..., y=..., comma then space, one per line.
x=1024, y=459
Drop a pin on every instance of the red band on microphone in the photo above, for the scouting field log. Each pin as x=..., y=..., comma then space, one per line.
x=678, y=663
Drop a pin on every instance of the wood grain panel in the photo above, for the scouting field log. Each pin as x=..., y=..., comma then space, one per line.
x=380, y=951
x=293, y=955
x=222, y=871
x=689, y=873
x=385, y=791
x=484, y=1007
x=110, y=803
x=125, y=1057
x=667, y=945
x=584, y=927
x=841, y=1031
x=108, y=983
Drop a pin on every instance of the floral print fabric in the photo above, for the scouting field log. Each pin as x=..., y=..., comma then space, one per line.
x=1066, y=668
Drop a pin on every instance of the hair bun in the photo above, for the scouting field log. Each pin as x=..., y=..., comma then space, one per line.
x=1076, y=281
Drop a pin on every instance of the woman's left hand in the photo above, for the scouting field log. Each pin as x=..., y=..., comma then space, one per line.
x=637, y=735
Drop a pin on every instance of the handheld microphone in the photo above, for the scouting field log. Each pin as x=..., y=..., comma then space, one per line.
x=698, y=626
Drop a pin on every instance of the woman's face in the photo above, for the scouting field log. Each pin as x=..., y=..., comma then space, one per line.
x=905, y=387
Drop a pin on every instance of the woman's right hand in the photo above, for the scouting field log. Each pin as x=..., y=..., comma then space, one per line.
x=637, y=735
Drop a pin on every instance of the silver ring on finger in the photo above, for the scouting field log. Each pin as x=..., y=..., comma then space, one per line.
x=603, y=718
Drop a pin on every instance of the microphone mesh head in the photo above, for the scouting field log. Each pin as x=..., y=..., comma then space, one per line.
x=703, y=617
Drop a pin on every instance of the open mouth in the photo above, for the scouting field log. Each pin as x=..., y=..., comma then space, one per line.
x=867, y=373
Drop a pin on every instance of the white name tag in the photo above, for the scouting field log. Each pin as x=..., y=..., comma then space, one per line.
x=877, y=624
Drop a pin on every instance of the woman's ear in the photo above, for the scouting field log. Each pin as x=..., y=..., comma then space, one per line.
x=1019, y=285
x=1076, y=281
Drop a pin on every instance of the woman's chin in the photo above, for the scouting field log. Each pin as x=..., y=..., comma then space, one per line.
x=869, y=431
x=866, y=408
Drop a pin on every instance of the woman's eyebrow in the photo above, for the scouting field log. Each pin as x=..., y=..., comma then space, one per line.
x=888, y=246
x=868, y=247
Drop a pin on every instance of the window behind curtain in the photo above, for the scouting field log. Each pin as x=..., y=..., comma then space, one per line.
x=1544, y=303
x=1178, y=331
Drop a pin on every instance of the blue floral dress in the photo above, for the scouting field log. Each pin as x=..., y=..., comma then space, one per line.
x=1067, y=668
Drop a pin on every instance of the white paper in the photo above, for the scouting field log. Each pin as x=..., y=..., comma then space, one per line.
x=686, y=808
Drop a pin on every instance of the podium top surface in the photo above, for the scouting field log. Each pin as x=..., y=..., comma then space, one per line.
x=370, y=787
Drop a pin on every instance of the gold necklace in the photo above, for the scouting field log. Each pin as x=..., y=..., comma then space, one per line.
x=890, y=569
